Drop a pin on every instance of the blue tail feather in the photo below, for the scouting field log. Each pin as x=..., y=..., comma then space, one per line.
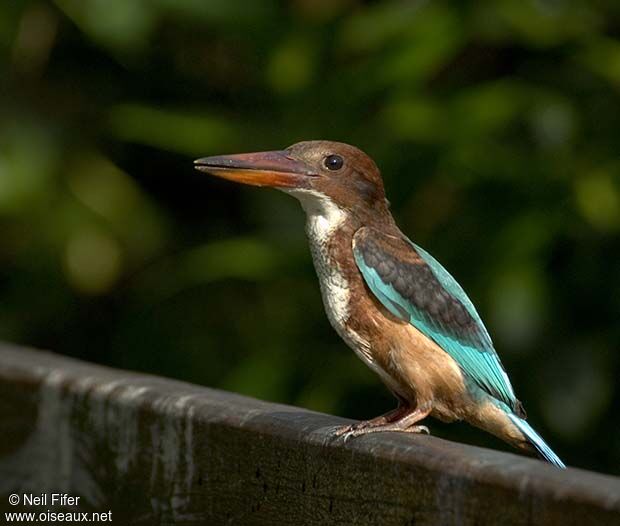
x=536, y=440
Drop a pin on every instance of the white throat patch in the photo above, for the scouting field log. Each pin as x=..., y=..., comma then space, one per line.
x=324, y=216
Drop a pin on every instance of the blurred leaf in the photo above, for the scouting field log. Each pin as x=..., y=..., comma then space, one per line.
x=487, y=108
x=240, y=258
x=554, y=124
x=292, y=65
x=541, y=22
x=422, y=38
x=598, y=198
x=373, y=27
x=7, y=29
x=113, y=195
x=416, y=119
x=258, y=375
x=579, y=391
x=93, y=261
x=35, y=38
x=602, y=55
x=323, y=10
x=431, y=41
x=518, y=307
x=182, y=132
x=28, y=160
x=117, y=24
x=229, y=12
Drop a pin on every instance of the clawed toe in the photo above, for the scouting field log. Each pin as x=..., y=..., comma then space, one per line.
x=346, y=432
x=352, y=430
x=418, y=429
x=342, y=430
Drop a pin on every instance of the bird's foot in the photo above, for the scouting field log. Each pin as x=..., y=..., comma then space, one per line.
x=359, y=429
x=401, y=419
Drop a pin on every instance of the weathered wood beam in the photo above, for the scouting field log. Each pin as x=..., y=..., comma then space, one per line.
x=156, y=451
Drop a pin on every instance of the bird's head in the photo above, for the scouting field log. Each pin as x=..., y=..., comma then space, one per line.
x=316, y=172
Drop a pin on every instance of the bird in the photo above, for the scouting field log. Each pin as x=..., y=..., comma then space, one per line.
x=391, y=302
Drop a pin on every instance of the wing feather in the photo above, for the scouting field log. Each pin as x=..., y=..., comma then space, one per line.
x=413, y=286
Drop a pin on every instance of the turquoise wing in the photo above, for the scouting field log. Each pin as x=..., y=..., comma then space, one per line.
x=413, y=286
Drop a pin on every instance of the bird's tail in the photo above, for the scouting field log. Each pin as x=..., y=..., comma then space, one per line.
x=536, y=440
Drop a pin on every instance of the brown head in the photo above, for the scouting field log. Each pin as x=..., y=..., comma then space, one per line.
x=313, y=171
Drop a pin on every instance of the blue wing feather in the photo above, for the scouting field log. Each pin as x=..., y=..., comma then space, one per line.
x=468, y=344
x=452, y=286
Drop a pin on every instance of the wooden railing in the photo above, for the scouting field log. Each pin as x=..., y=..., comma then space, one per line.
x=149, y=450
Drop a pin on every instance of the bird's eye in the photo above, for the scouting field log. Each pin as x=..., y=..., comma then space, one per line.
x=333, y=162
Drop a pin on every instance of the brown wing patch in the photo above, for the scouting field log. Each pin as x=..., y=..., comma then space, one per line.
x=399, y=265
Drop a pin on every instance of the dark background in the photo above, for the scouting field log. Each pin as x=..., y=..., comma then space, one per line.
x=497, y=128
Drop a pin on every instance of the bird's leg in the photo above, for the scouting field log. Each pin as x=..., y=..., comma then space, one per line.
x=403, y=420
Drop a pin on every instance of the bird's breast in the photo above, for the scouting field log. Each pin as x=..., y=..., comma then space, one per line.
x=335, y=286
x=330, y=244
x=330, y=233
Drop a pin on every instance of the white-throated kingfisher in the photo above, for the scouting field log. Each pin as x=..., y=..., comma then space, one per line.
x=401, y=312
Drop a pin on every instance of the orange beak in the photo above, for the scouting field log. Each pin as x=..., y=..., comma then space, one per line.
x=276, y=169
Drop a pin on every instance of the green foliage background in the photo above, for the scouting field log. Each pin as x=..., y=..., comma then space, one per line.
x=496, y=125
